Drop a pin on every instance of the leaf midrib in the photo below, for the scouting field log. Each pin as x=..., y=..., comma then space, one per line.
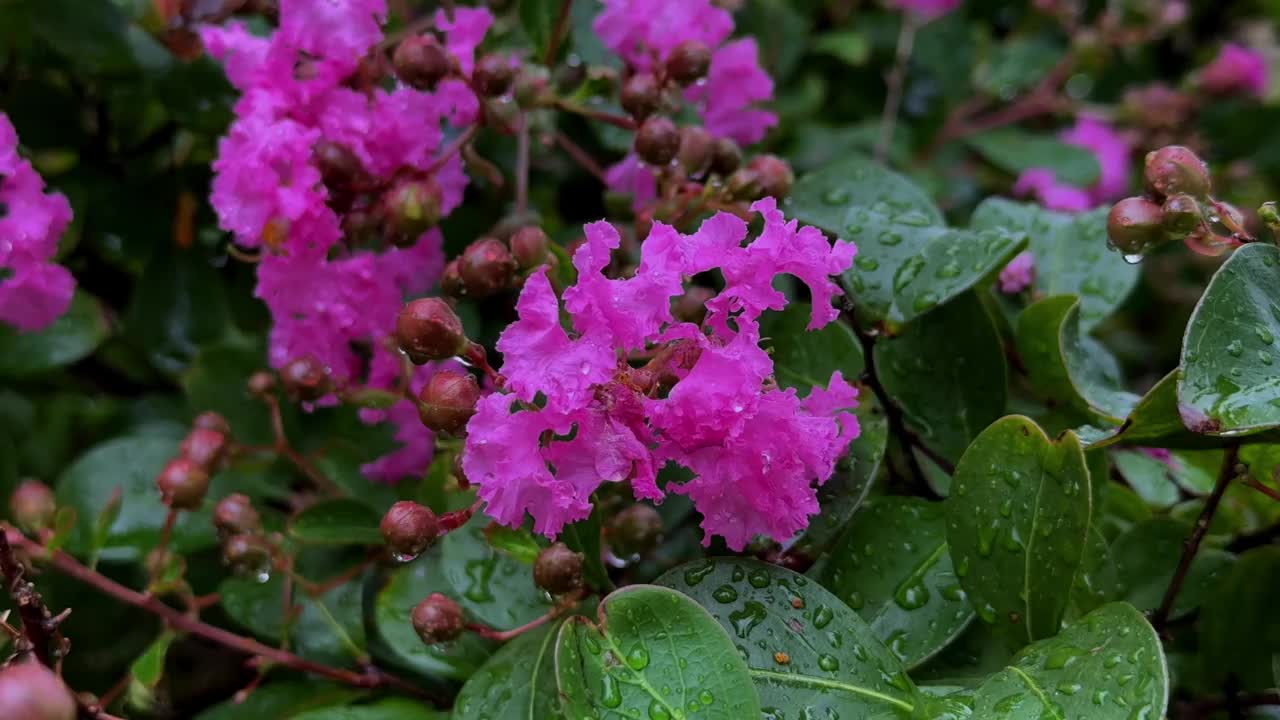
x=797, y=679
x=1035, y=690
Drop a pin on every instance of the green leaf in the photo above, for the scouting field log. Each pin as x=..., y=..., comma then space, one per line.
x=178, y=305
x=1230, y=384
x=802, y=358
x=1071, y=256
x=337, y=522
x=1017, y=522
x=1017, y=65
x=282, y=700
x=386, y=709
x=652, y=653
x=893, y=567
x=584, y=536
x=1148, y=477
x=1146, y=557
x=1238, y=632
x=538, y=18
x=497, y=588
x=834, y=665
x=517, y=683
x=215, y=381
x=1108, y=666
x=102, y=525
x=1153, y=422
x=907, y=262
x=1068, y=367
x=1014, y=151
x=149, y=667
x=848, y=46
x=69, y=339
x=967, y=661
x=1095, y=584
x=947, y=373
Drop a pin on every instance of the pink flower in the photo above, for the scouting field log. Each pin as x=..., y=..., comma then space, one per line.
x=735, y=82
x=926, y=9
x=632, y=177
x=464, y=33
x=1236, y=69
x=1018, y=274
x=1112, y=153
x=34, y=291
x=578, y=415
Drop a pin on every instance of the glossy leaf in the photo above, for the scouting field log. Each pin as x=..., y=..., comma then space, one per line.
x=386, y=709
x=282, y=700
x=1017, y=522
x=1154, y=421
x=1238, y=633
x=497, y=588
x=326, y=629
x=908, y=262
x=148, y=669
x=807, y=651
x=1015, y=66
x=1108, y=666
x=538, y=17
x=804, y=358
x=517, y=683
x=1150, y=478
x=1229, y=382
x=893, y=568
x=70, y=338
x=1014, y=150
x=1146, y=557
x=651, y=652
x=178, y=305
x=946, y=371
x=337, y=522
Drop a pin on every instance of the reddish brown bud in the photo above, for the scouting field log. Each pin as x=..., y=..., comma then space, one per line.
x=211, y=421
x=691, y=306
x=1175, y=169
x=726, y=157
x=695, y=149
x=532, y=87
x=420, y=62
x=262, y=383
x=745, y=184
x=657, y=141
x=529, y=247
x=234, y=514
x=486, y=267
x=774, y=175
x=32, y=505
x=428, y=329
x=409, y=528
x=339, y=168
x=451, y=280
x=558, y=569
x=635, y=531
x=1134, y=226
x=1181, y=216
x=437, y=619
x=493, y=75
x=31, y=691
x=247, y=553
x=688, y=62
x=182, y=484
x=305, y=380
x=411, y=207
x=448, y=401
x=641, y=95
x=206, y=448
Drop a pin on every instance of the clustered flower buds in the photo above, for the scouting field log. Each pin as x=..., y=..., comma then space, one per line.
x=486, y=267
x=421, y=61
x=409, y=528
x=657, y=141
x=634, y=531
x=428, y=329
x=437, y=619
x=305, y=379
x=234, y=515
x=448, y=401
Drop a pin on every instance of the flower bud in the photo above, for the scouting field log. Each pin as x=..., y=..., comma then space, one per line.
x=486, y=267
x=420, y=62
x=691, y=306
x=247, y=553
x=305, y=380
x=211, y=421
x=339, y=168
x=448, y=401
x=437, y=619
x=558, y=569
x=726, y=157
x=206, y=448
x=409, y=528
x=31, y=691
x=1181, y=216
x=529, y=247
x=641, y=95
x=635, y=531
x=411, y=207
x=657, y=141
x=451, y=280
x=32, y=505
x=1134, y=226
x=532, y=87
x=744, y=184
x=428, y=329
x=688, y=62
x=1175, y=169
x=569, y=76
x=182, y=484
x=774, y=175
x=234, y=514
x=695, y=149
x=493, y=75
x=261, y=384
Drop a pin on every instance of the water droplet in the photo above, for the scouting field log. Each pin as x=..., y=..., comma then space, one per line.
x=836, y=196
x=855, y=600
x=897, y=642
x=593, y=647
x=1059, y=658
x=758, y=579
x=725, y=594
x=1067, y=688
x=987, y=612
x=907, y=272
x=1006, y=507
x=962, y=567
x=746, y=619
x=986, y=538
x=853, y=229
x=657, y=711
x=954, y=593
x=1235, y=348
x=403, y=557
x=828, y=663
x=926, y=300
x=638, y=658
x=866, y=262
x=950, y=270
x=695, y=575
x=912, y=595
x=1132, y=258
x=822, y=617
x=913, y=218
x=610, y=694
x=890, y=238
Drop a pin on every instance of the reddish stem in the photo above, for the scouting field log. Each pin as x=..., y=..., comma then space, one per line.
x=557, y=33
x=579, y=156
x=1268, y=491
x=565, y=603
x=621, y=121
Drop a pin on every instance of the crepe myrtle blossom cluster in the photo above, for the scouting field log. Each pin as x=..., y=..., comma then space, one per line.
x=925, y=9
x=1236, y=70
x=573, y=414
x=336, y=180
x=1108, y=146
x=34, y=291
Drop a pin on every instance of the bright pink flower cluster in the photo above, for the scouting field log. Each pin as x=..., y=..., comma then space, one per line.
x=1236, y=69
x=644, y=32
x=299, y=87
x=575, y=414
x=926, y=9
x=33, y=290
x=1019, y=273
x=1112, y=151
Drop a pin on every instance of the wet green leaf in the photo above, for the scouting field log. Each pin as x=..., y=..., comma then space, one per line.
x=1017, y=521
x=1149, y=478
x=498, y=590
x=807, y=651
x=1014, y=150
x=282, y=700
x=394, y=708
x=70, y=338
x=517, y=683
x=802, y=358
x=538, y=17
x=337, y=522
x=1238, y=633
x=148, y=669
x=893, y=567
x=652, y=653
x=1146, y=557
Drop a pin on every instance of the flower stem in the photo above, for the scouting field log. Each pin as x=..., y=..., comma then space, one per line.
x=896, y=79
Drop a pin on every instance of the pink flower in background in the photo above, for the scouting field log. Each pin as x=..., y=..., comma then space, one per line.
x=735, y=83
x=926, y=9
x=1018, y=274
x=1112, y=152
x=756, y=450
x=1236, y=69
x=34, y=291
x=1161, y=455
x=644, y=32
